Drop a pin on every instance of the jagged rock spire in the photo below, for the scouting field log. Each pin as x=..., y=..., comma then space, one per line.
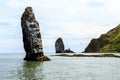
x=31, y=35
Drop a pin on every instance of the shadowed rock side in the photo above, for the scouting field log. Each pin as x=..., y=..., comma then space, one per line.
x=109, y=42
x=59, y=45
x=32, y=37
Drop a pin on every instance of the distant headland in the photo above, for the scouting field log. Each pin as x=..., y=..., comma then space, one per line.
x=109, y=42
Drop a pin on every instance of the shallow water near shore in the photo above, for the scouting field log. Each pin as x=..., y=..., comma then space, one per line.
x=13, y=67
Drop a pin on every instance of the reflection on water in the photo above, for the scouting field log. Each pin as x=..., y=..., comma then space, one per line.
x=31, y=71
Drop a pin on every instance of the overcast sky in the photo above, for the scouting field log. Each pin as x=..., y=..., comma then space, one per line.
x=75, y=21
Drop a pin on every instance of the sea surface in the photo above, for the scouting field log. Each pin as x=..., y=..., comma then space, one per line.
x=13, y=67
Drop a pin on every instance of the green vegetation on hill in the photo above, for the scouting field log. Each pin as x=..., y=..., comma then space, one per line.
x=109, y=42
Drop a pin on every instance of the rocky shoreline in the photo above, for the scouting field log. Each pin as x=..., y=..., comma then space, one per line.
x=88, y=55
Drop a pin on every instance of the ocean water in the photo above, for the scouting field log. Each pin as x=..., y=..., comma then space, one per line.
x=13, y=67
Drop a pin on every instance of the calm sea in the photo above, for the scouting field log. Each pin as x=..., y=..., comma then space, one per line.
x=13, y=67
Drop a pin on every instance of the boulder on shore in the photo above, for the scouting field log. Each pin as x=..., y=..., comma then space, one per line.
x=32, y=37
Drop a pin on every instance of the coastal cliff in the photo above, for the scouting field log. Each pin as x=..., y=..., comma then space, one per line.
x=32, y=37
x=109, y=42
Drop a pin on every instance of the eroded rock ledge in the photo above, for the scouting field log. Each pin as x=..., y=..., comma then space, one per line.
x=32, y=37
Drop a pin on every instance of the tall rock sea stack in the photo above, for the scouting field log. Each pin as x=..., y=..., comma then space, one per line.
x=109, y=42
x=59, y=45
x=32, y=37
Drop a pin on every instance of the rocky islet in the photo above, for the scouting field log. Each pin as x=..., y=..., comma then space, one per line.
x=60, y=47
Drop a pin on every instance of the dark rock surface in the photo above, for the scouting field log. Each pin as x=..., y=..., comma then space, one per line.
x=60, y=48
x=59, y=45
x=32, y=37
x=94, y=45
x=68, y=51
x=109, y=42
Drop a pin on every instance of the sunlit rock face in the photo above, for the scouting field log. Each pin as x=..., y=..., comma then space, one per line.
x=31, y=36
x=59, y=45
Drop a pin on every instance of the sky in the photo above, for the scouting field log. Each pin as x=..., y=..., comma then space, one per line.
x=75, y=21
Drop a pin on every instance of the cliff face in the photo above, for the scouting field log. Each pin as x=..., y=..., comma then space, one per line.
x=109, y=42
x=31, y=36
x=59, y=45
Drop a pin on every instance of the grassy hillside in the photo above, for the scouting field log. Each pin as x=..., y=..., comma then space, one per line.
x=109, y=42
x=113, y=38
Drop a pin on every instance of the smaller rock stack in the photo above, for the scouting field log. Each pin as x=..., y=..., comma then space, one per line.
x=59, y=45
x=32, y=37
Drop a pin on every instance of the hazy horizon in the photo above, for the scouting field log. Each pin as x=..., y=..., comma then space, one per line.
x=75, y=21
